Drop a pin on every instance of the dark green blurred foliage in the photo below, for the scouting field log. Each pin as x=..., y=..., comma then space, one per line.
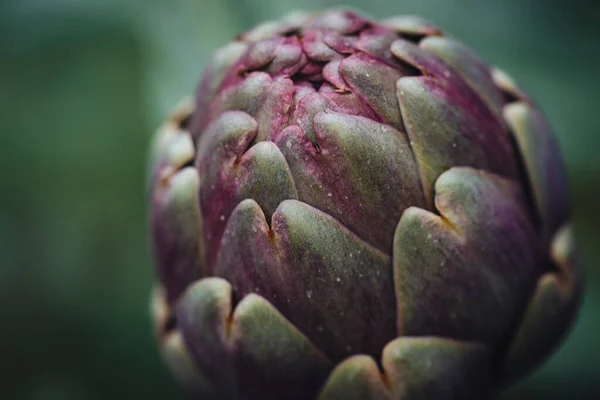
x=83, y=85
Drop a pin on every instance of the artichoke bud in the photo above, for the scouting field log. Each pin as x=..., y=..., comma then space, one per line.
x=351, y=209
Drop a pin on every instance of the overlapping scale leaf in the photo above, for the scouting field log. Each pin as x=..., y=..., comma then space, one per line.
x=334, y=287
x=364, y=173
x=377, y=42
x=211, y=82
x=171, y=144
x=289, y=58
x=356, y=378
x=347, y=102
x=342, y=21
x=470, y=67
x=432, y=368
x=325, y=100
x=304, y=114
x=447, y=129
x=175, y=352
x=274, y=114
x=413, y=368
x=229, y=173
x=476, y=261
x=375, y=82
x=176, y=228
x=247, y=342
x=258, y=55
x=273, y=55
x=343, y=44
x=550, y=312
x=447, y=122
x=411, y=25
x=247, y=95
x=316, y=49
x=508, y=86
x=266, y=99
x=543, y=164
x=175, y=218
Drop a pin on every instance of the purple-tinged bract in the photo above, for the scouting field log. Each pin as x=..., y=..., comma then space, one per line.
x=358, y=210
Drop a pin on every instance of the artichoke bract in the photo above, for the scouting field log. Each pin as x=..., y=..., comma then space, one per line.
x=358, y=210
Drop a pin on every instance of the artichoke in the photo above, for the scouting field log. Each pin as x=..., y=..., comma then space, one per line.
x=358, y=210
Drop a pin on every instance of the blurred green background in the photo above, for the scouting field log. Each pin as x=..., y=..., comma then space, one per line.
x=83, y=85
